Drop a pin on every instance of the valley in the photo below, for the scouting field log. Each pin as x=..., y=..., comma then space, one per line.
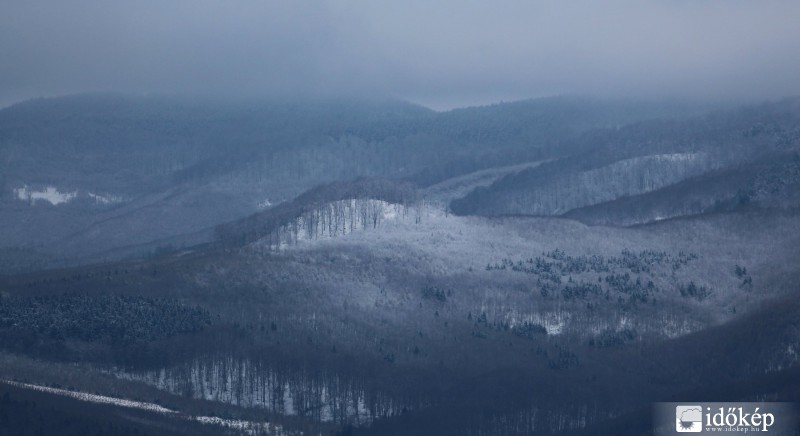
x=530, y=290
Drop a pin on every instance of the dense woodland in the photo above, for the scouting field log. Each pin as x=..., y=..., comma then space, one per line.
x=190, y=164
x=46, y=324
x=652, y=156
x=336, y=208
x=362, y=307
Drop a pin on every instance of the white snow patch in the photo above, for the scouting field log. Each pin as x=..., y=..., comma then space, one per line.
x=93, y=398
x=104, y=199
x=247, y=427
x=447, y=242
x=49, y=194
x=674, y=327
x=248, y=384
x=264, y=204
x=54, y=196
x=460, y=186
x=676, y=157
x=553, y=322
x=338, y=219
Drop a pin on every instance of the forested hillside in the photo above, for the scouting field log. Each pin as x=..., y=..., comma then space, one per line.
x=651, y=156
x=93, y=177
x=533, y=268
x=316, y=333
x=771, y=182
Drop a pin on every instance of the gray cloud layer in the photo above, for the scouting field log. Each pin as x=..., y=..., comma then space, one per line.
x=442, y=53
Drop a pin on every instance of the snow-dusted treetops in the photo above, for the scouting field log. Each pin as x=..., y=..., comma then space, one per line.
x=548, y=267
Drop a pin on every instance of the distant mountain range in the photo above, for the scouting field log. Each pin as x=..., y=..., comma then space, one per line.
x=659, y=169
x=103, y=176
x=547, y=267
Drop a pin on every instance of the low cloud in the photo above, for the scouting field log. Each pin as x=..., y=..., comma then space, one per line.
x=444, y=54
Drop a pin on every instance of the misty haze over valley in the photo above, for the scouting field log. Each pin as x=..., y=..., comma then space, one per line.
x=357, y=218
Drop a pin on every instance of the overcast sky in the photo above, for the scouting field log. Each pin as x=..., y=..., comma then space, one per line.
x=439, y=53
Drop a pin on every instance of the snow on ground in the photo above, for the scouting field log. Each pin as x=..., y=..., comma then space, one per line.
x=104, y=199
x=554, y=322
x=92, y=398
x=672, y=157
x=246, y=384
x=54, y=196
x=427, y=241
x=676, y=157
x=453, y=244
x=457, y=187
x=246, y=427
x=49, y=194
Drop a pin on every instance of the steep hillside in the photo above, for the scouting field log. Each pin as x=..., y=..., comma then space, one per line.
x=26, y=411
x=771, y=182
x=642, y=158
x=92, y=177
x=490, y=323
x=365, y=306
